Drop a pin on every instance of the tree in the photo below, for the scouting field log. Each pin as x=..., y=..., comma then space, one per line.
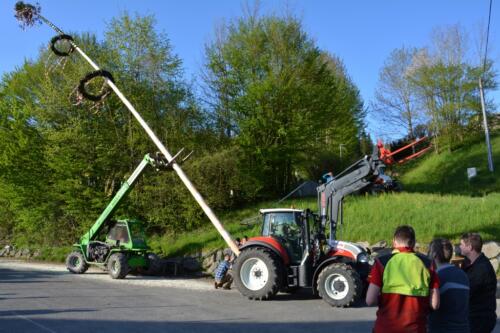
x=396, y=103
x=62, y=160
x=280, y=99
x=446, y=82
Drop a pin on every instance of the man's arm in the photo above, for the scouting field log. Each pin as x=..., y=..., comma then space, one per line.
x=372, y=294
x=434, y=299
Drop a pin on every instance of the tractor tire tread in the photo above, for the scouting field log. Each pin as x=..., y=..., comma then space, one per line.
x=122, y=261
x=274, y=267
x=355, y=284
x=79, y=269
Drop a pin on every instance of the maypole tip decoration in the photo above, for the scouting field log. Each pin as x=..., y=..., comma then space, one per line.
x=26, y=14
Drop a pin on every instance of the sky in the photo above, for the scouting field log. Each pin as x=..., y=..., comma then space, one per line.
x=361, y=33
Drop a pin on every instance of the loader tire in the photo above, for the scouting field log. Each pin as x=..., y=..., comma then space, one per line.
x=118, y=266
x=339, y=285
x=75, y=263
x=257, y=273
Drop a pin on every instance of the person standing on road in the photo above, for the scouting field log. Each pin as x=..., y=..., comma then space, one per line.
x=404, y=285
x=223, y=277
x=453, y=313
x=483, y=284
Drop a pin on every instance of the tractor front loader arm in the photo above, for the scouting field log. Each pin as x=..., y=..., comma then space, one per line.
x=118, y=198
x=354, y=178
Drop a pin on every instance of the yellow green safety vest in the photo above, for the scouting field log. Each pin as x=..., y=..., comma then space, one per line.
x=406, y=273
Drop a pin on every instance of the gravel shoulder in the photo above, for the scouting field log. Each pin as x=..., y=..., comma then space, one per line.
x=192, y=283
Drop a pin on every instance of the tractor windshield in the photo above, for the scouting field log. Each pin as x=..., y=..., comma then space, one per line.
x=119, y=233
x=137, y=233
x=281, y=224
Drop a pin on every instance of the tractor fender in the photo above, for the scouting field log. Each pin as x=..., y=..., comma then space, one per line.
x=270, y=243
x=79, y=247
x=331, y=260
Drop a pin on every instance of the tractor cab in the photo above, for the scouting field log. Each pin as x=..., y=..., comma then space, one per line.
x=291, y=227
x=127, y=233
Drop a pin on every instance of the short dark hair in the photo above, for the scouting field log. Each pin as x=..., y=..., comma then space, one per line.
x=440, y=249
x=405, y=234
x=474, y=240
x=245, y=237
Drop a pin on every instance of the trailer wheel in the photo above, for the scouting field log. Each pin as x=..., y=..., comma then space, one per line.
x=339, y=285
x=257, y=273
x=118, y=266
x=75, y=263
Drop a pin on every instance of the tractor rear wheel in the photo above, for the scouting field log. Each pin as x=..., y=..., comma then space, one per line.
x=339, y=285
x=118, y=266
x=75, y=263
x=257, y=273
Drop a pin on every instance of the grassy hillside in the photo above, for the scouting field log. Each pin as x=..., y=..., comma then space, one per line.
x=365, y=219
x=446, y=173
x=438, y=201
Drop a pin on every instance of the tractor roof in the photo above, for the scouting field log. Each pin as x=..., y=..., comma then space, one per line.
x=280, y=210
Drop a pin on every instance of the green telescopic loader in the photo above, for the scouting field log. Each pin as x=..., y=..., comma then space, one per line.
x=119, y=246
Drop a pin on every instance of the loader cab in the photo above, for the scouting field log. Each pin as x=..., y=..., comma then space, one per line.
x=127, y=233
x=287, y=226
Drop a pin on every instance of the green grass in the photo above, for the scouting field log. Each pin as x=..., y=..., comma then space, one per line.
x=446, y=173
x=367, y=218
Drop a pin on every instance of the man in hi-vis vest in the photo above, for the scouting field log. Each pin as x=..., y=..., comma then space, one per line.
x=404, y=285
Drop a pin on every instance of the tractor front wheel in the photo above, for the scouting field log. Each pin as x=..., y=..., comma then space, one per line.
x=118, y=266
x=339, y=285
x=257, y=273
x=75, y=263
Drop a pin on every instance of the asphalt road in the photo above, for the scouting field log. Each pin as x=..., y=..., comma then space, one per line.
x=44, y=298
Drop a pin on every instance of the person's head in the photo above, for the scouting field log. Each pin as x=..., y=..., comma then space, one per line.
x=238, y=241
x=404, y=236
x=471, y=243
x=227, y=257
x=440, y=250
x=244, y=240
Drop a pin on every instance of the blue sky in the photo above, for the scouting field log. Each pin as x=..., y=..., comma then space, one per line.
x=361, y=33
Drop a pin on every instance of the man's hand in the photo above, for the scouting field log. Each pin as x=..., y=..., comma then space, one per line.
x=434, y=299
x=373, y=293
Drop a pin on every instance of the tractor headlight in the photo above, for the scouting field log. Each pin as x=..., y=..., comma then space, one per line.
x=363, y=257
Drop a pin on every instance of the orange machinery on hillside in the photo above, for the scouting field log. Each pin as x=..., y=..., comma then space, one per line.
x=388, y=157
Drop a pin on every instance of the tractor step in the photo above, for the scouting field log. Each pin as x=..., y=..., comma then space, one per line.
x=293, y=276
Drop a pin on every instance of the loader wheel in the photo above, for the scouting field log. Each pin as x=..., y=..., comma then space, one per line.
x=257, y=273
x=75, y=263
x=118, y=266
x=339, y=285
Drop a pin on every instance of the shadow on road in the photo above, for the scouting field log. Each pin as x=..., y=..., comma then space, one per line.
x=205, y=326
x=8, y=313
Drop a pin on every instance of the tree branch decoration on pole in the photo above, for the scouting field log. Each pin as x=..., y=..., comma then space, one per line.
x=27, y=15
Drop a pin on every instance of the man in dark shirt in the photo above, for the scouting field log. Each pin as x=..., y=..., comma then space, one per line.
x=453, y=313
x=483, y=284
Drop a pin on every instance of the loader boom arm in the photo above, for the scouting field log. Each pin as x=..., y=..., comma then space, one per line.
x=117, y=199
x=354, y=178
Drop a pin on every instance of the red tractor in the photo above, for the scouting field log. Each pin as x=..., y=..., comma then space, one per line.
x=299, y=249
